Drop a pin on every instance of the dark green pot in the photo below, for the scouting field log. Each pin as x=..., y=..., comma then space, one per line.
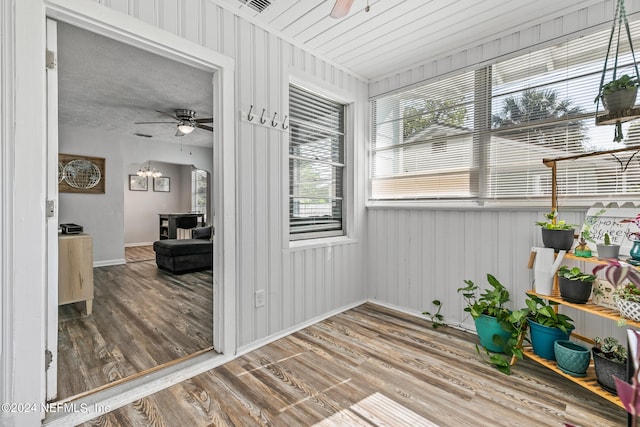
x=487, y=327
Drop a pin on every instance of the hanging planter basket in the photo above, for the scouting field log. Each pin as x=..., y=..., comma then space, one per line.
x=620, y=100
x=618, y=96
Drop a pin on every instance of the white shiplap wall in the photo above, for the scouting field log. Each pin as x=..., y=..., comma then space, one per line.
x=300, y=284
x=572, y=25
x=418, y=255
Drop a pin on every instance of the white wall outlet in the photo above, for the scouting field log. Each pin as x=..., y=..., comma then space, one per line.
x=260, y=298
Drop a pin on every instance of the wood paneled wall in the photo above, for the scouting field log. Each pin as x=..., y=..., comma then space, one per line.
x=302, y=283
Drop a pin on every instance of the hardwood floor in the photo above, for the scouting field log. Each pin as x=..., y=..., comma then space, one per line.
x=139, y=253
x=142, y=317
x=369, y=366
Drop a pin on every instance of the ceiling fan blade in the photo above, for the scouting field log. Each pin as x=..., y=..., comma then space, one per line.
x=341, y=8
x=150, y=123
x=209, y=120
x=167, y=114
x=209, y=128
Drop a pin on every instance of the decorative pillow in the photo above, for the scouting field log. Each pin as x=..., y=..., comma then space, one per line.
x=201, y=233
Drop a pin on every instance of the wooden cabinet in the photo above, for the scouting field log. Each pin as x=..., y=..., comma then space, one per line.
x=75, y=269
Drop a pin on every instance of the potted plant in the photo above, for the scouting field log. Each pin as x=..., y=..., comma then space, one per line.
x=610, y=360
x=546, y=326
x=489, y=313
x=556, y=234
x=627, y=300
x=573, y=359
x=607, y=250
x=619, y=94
x=575, y=286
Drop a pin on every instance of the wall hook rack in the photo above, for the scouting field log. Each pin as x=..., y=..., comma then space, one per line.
x=263, y=121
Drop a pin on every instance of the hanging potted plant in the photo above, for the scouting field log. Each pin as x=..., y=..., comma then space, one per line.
x=557, y=234
x=610, y=360
x=619, y=94
x=575, y=286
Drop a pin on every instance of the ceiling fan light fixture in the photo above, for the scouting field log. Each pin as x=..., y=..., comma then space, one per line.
x=186, y=128
x=341, y=8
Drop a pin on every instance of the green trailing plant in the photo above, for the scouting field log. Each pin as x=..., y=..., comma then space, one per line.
x=542, y=312
x=436, y=318
x=490, y=302
x=624, y=82
x=575, y=274
x=552, y=222
x=588, y=223
x=611, y=349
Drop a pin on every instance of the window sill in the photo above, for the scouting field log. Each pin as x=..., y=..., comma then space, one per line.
x=298, y=245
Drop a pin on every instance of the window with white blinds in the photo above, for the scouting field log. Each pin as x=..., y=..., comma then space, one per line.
x=316, y=165
x=483, y=135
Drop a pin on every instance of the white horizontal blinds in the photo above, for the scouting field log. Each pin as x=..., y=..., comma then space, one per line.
x=316, y=165
x=422, y=144
x=543, y=107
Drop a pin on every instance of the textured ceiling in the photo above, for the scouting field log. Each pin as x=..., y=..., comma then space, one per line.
x=395, y=35
x=108, y=85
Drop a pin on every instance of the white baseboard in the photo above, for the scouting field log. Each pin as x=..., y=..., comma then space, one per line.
x=109, y=262
x=133, y=245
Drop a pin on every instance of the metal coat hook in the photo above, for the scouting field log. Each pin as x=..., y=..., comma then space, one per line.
x=273, y=121
x=249, y=116
x=262, y=119
x=283, y=121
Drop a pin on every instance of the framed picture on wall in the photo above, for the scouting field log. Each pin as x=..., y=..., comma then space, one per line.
x=161, y=184
x=138, y=183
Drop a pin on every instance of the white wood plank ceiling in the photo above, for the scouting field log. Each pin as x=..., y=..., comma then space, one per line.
x=395, y=35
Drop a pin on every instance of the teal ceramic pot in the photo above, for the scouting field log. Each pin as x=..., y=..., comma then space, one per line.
x=634, y=252
x=487, y=327
x=572, y=358
x=543, y=339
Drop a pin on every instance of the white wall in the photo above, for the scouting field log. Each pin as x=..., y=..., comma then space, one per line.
x=300, y=283
x=103, y=215
x=141, y=208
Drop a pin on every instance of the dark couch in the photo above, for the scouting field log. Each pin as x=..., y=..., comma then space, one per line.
x=186, y=255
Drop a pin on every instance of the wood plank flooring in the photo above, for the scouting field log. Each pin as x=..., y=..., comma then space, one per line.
x=369, y=366
x=142, y=317
x=139, y=253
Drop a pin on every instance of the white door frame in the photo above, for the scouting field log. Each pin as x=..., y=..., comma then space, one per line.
x=51, y=373
x=100, y=20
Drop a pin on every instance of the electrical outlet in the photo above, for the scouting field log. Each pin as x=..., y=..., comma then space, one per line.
x=260, y=298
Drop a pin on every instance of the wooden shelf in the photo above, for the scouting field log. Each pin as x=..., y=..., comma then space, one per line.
x=589, y=381
x=621, y=116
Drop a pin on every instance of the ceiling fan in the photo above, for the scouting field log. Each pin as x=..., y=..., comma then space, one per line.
x=186, y=121
x=341, y=8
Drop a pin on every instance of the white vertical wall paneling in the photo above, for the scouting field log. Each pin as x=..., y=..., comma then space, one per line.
x=145, y=11
x=262, y=143
x=299, y=283
x=597, y=16
x=273, y=208
x=191, y=13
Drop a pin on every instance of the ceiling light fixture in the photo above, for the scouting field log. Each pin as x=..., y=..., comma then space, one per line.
x=186, y=128
x=148, y=172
